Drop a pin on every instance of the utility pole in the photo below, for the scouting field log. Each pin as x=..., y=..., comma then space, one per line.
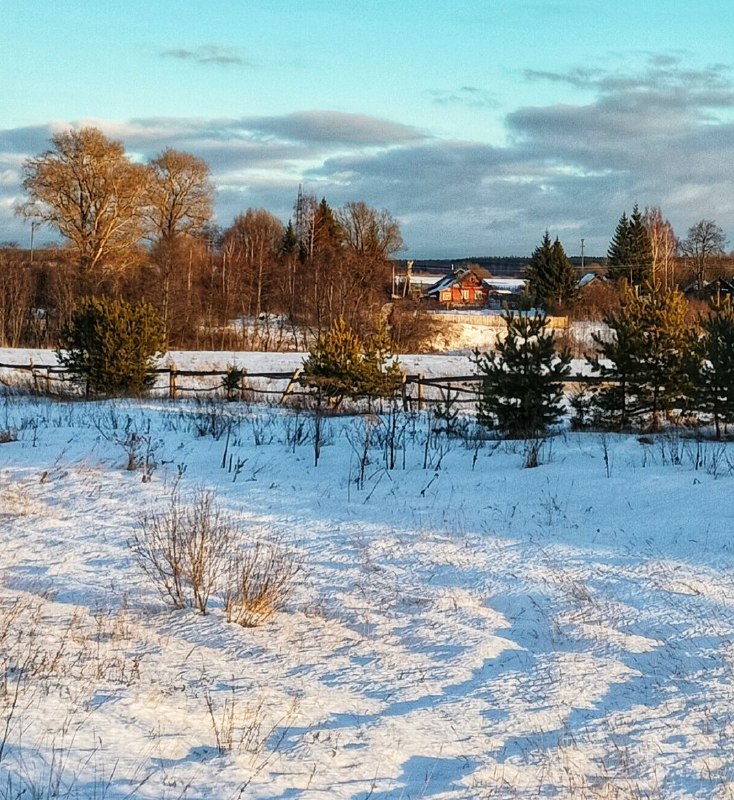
x=34, y=225
x=582, y=256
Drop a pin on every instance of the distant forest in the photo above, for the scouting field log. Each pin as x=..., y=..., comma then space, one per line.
x=497, y=265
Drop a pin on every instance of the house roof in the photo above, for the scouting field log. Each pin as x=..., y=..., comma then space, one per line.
x=511, y=285
x=448, y=280
x=587, y=278
x=456, y=276
x=708, y=288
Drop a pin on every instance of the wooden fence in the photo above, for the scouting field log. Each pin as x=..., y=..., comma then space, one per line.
x=175, y=383
x=495, y=321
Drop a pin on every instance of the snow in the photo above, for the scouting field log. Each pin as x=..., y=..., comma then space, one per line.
x=513, y=285
x=471, y=629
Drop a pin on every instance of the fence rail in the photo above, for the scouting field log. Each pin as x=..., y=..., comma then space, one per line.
x=462, y=387
x=495, y=321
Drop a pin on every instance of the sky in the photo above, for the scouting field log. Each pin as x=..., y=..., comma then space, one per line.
x=478, y=125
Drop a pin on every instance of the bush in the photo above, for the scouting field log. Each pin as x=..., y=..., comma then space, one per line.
x=412, y=328
x=193, y=550
x=260, y=583
x=232, y=382
x=184, y=549
x=110, y=346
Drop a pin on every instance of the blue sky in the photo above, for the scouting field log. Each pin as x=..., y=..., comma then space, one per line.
x=477, y=124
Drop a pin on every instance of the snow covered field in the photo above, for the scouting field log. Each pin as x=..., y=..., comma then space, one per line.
x=461, y=627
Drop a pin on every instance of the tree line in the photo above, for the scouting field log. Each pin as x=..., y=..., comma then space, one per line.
x=144, y=232
x=644, y=250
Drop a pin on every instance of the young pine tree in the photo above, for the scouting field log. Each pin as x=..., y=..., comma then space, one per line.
x=650, y=359
x=381, y=374
x=110, y=345
x=340, y=365
x=521, y=390
x=715, y=379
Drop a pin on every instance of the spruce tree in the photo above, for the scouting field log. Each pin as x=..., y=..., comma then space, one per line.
x=618, y=254
x=552, y=280
x=521, y=391
x=289, y=242
x=715, y=378
x=640, y=257
x=630, y=251
x=649, y=358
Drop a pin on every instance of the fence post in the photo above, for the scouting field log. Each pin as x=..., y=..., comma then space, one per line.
x=290, y=385
x=172, y=381
x=421, y=392
x=404, y=391
x=34, y=377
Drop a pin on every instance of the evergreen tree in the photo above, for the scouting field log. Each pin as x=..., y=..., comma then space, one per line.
x=110, y=345
x=649, y=359
x=289, y=242
x=630, y=251
x=618, y=254
x=715, y=379
x=521, y=391
x=553, y=282
x=340, y=365
x=381, y=375
x=640, y=257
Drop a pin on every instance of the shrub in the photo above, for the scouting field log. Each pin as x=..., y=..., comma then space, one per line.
x=412, y=328
x=193, y=550
x=110, y=345
x=232, y=382
x=184, y=549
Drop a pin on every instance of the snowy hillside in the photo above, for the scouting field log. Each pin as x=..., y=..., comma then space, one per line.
x=459, y=627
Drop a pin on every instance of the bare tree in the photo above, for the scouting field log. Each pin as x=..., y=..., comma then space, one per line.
x=179, y=204
x=705, y=241
x=87, y=188
x=252, y=244
x=369, y=232
x=663, y=244
x=306, y=222
x=16, y=296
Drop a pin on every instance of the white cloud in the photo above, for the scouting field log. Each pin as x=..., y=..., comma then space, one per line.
x=662, y=134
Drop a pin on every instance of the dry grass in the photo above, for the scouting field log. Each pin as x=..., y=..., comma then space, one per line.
x=261, y=581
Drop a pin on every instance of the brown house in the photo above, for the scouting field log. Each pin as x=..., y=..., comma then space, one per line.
x=464, y=287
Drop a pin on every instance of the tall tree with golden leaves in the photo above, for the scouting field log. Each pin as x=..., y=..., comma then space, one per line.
x=87, y=188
